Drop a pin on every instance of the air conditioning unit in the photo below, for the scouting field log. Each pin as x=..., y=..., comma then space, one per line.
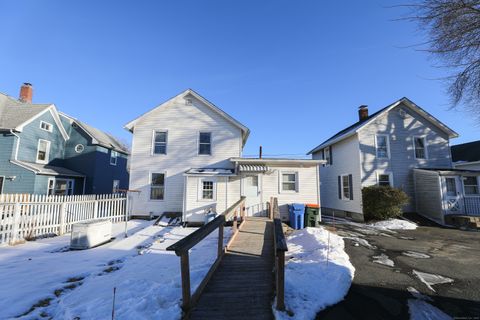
x=87, y=235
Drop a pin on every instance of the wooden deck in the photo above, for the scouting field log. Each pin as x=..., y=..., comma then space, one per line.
x=243, y=284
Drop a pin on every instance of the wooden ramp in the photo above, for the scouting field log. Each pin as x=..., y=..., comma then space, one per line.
x=242, y=286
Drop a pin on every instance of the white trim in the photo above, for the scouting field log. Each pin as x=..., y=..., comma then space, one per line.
x=425, y=147
x=280, y=181
x=150, y=173
x=341, y=185
x=2, y=184
x=54, y=113
x=200, y=181
x=198, y=144
x=112, y=157
x=471, y=195
x=388, y=145
x=47, y=152
x=152, y=151
x=82, y=147
x=465, y=163
x=113, y=186
x=49, y=125
x=60, y=179
x=387, y=173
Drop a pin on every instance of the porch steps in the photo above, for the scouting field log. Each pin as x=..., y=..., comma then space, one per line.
x=468, y=222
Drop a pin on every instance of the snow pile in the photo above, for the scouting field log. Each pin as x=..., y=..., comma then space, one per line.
x=430, y=279
x=312, y=283
x=80, y=283
x=394, y=224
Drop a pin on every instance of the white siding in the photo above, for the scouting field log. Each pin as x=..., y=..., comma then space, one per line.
x=428, y=194
x=183, y=123
x=345, y=160
x=468, y=166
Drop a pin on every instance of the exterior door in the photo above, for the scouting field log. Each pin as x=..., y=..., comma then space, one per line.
x=452, y=196
x=251, y=190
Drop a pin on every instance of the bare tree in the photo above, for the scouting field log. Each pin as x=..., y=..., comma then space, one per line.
x=453, y=30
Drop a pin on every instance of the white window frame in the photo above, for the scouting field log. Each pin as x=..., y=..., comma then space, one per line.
x=115, y=190
x=150, y=185
x=49, y=126
x=198, y=144
x=47, y=152
x=54, y=180
x=425, y=147
x=200, y=189
x=79, y=148
x=113, y=152
x=2, y=184
x=471, y=194
x=386, y=173
x=152, y=152
x=280, y=182
x=388, y=145
x=348, y=185
x=328, y=162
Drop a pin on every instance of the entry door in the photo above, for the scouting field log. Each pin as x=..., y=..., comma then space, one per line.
x=251, y=190
x=452, y=196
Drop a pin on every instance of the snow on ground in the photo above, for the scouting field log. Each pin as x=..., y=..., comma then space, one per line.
x=312, y=283
x=430, y=279
x=80, y=283
x=421, y=310
x=383, y=259
x=394, y=224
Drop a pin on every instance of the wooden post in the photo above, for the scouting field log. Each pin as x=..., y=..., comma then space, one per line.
x=16, y=223
x=235, y=221
x=95, y=209
x=62, y=219
x=185, y=271
x=220, y=240
x=280, y=280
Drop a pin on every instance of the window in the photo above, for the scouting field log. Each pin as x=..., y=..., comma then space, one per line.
x=60, y=187
x=327, y=155
x=157, y=186
x=419, y=144
x=43, y=151
x=384, y=179
x=45, y=126
x=451, y=187
x=470, y=185
x=79, y=148
x=207, y=190
x=160, y=142
x=116, y=186
x=383, y=145
x=289, y=182
x=345, y=185
x=2, y=180
x=113, y=157
x=205, y=143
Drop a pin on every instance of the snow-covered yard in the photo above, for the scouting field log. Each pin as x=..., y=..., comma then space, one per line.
x=318, y=272
x=67, y=284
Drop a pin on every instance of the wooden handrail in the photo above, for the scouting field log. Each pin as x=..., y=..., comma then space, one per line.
x=182, y=246
x=279, y=247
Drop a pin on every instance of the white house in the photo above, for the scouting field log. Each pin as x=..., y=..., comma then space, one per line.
x=187, y=157
x=382, y=148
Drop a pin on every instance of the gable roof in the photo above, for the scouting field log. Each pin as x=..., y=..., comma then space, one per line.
x=354, y=128
x=15, y=115
x=98, y=136
x=245, y=131
x=467, y=152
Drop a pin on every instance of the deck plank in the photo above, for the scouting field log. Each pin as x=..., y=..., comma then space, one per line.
x=242, y=286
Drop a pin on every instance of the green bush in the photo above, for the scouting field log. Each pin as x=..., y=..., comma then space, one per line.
x=380, y=202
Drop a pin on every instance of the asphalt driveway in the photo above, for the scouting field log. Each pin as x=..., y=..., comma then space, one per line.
x=382, y=289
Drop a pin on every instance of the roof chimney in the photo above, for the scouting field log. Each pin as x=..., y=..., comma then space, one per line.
x=26, y=92
x=362, y=113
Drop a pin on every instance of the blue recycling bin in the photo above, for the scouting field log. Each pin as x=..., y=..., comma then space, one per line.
x=296, y=212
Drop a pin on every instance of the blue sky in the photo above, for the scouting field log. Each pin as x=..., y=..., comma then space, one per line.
x=294, y=72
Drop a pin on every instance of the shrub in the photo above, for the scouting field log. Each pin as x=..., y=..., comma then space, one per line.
x=381, y=202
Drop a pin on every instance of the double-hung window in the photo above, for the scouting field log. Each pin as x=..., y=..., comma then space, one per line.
x=43, y=151
x=113, y=157
x=383, y=145
x=470, y=184
x=205, y=143
x=420, y=146
x=157, y=186
x=160, y=142
x=384, y=179
x=345, y=187
x=208, y=190
x=289, y=182
x=60, y=187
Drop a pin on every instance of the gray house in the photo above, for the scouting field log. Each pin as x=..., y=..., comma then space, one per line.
x=45, y=152
x=381, y=149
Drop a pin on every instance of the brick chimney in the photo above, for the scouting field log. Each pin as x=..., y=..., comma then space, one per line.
x=26, y=92
x=362, y=113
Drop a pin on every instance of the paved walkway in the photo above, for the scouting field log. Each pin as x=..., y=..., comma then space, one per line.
x=242, y=286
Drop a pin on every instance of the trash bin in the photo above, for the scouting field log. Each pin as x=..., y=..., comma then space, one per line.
x=296, y=215
x=312, y=215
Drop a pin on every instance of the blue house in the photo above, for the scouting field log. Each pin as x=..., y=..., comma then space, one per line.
x=43, y=151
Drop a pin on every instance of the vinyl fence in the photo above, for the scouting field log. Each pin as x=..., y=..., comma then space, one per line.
x=26, y=216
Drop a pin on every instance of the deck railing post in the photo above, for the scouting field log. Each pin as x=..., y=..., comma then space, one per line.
x=220, y=240
x=63, y=211
x=280, y=280
x=185, y=271
x=235, y=221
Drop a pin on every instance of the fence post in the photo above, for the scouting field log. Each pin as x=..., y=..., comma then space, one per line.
x=16, y=223
x=220, y=240
x=62, y=218
x=95, y=209
x=280, y=280
x=185, y=271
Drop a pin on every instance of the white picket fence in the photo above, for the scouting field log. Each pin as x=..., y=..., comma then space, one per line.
x=26, y=216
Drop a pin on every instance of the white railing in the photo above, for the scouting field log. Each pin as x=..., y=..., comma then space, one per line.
x=472, y=205
x=256, y=210
x=26, y=216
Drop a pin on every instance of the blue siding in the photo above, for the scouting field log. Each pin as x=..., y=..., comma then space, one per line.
x=105, y=173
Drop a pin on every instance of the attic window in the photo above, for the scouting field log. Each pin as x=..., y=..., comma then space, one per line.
x=45, y=126
x=188, y=102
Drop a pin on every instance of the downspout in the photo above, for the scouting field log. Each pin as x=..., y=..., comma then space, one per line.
x=226, y=193
x=18, y=143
